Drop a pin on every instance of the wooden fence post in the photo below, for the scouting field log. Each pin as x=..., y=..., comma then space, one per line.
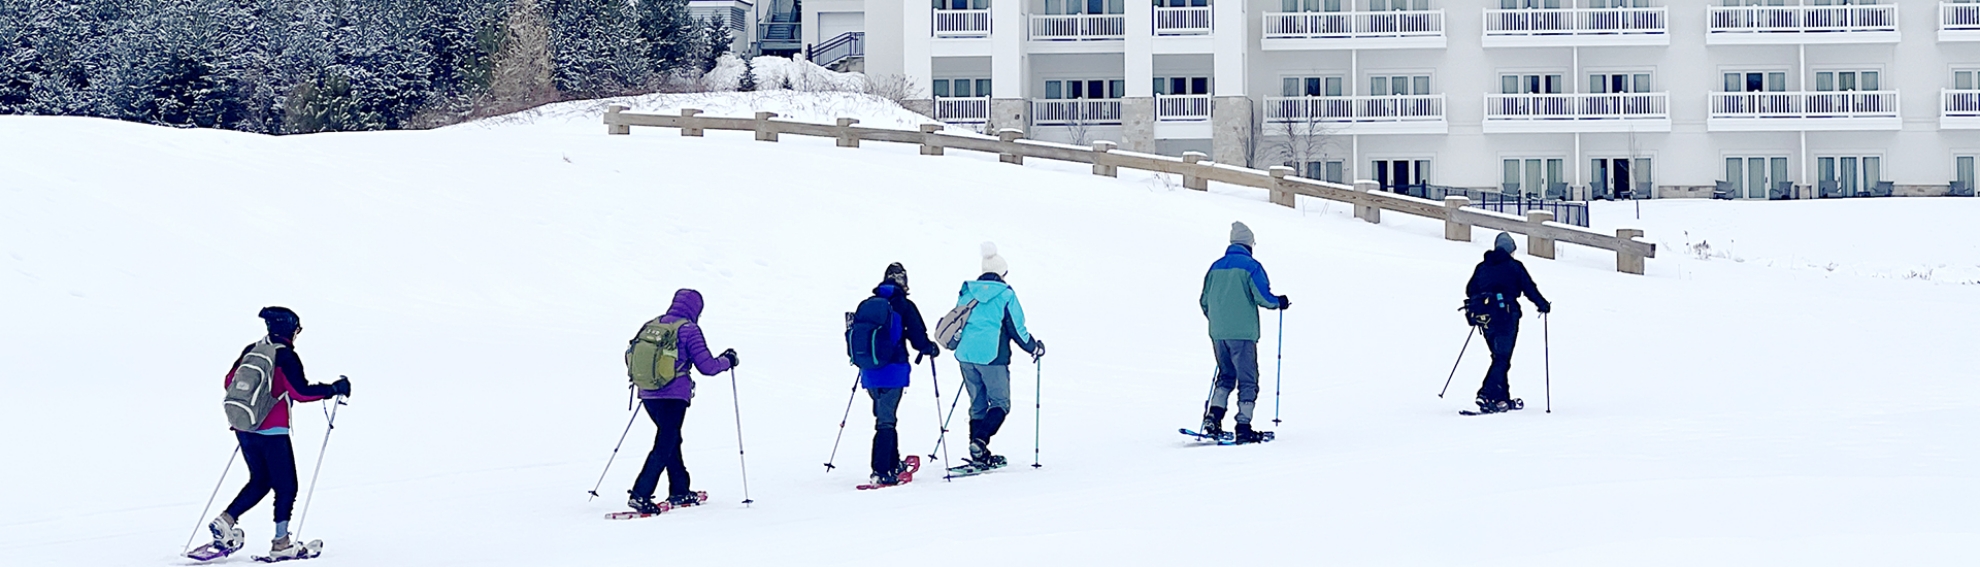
x=1279, y=194
x=1367, y=212
x=1100, y=159
x=929, y=145
x=1537, y=244
x=612, y=125
x=765, y=130
x=1010, y=136
x=846, y=138
x=1626, y=261
x=688, y=127
x=1455, y=229
x=1191, y=180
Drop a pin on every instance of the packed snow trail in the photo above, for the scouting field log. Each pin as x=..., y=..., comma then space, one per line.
x=481, y=282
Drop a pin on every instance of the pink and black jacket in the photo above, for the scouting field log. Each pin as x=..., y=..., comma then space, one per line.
x=290, y=385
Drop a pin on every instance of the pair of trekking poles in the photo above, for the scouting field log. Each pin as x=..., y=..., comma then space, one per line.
x=330, y=426
x=735, y=396
x=1547, y=358
x=941, y=441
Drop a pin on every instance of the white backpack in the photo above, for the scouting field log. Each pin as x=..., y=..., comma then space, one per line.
x=250, y=390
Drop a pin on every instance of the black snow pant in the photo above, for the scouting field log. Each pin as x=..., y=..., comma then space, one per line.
x=668, y=415
x=1500, y=336
x=271, y=463
x=886, y=441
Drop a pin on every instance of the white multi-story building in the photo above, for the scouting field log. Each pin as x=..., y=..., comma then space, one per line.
x=1665, y=98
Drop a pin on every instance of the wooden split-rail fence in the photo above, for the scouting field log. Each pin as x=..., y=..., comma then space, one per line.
x=1195, y=168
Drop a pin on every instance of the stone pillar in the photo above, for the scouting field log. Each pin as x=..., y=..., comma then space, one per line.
x=689, y=125
x=1102, y=164
x=1230, y=129
x=930, y=143
x=1455, y=229
x=1279, y=195
x=1010, y=136
x=1367, y=212
x=1627, y=262
x=846, y=137
x=1190, y=180
x=1009, y=113
x=1537, y=243
x=612, y=125
x=765, y=131
x=1138, y=124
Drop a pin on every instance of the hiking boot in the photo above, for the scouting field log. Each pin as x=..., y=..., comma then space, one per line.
x=645, y=505
x=1213, y=422
x=225, y=535
x=979, y=450
x=883, y=479
x=1245, y=434
x=283, y=548
x=688, y=499
x=1515, y=404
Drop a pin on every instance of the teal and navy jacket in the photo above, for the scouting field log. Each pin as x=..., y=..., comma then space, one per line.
x=996, y=321
x=1232, y=293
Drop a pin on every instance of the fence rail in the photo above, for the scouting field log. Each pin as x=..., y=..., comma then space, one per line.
x=1182, y=21
x=1175, y=108
x=1197, y=171
x=1618, y=106
x=962, y=23
x=962, y=110
x=1574, y=21
x=1824, y=104
x=1078, y=26
x=1801, y=19
x=1384, y=108
x=1403, y=23
x=1959, y=16
x=846, y=46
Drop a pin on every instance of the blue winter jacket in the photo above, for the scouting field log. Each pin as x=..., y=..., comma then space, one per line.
x=913, y=332
x=996, y=321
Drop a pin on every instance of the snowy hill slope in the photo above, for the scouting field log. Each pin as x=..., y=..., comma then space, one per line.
x=478, y=283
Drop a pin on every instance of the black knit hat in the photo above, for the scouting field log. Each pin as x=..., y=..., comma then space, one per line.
x=897, y=275
x=282, y=322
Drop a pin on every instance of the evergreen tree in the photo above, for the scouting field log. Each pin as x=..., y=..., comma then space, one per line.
x=716, y=31
x=594, y=44
x=669, y=34
x=748, y=81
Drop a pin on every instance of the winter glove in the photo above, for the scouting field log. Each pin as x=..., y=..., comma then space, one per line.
x=730, y=355
x=1284, y=302
x=932, y=353
x=342, y=386
x=1546, y=307
x=1037, y=349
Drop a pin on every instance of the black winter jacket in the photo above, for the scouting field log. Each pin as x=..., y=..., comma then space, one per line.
x=1500, y=273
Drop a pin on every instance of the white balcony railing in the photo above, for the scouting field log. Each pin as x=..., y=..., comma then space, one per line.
x=1182, y=21
x=1082, y=112
x=1182, y=108
x=962, y=23
x=1831, y=104
x=1802, y=19
x=1404, y=23
x=1078, y=26
x=962, y=110
x=1385, y=108
x=1575, y=21
x=1960, y=104
x=1959, y=16
x=1617, y=106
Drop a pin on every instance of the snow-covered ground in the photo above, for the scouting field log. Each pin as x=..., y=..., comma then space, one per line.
x=477, y=284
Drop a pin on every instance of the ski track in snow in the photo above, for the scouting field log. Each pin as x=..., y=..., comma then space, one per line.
x=478, y=283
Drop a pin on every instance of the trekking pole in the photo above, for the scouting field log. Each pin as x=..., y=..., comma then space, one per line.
x=936, y=381
x=735, y=396
x=1460, y=358
x=209, y=499
x=615, y=449
x=1037, y=413
x=330, y=426
x=941, y=444
x=842, y=424
x=1279, y=375
x=1547, y=356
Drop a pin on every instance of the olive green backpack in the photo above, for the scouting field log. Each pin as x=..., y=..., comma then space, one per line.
x=650, y=360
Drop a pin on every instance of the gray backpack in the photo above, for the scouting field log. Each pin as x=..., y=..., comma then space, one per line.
x=948, y=331
x=250, y=389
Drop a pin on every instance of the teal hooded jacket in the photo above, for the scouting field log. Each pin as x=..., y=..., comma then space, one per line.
x=996, y=321
x=1232, y=293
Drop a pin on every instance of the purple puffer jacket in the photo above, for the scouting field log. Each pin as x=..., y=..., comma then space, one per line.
x=692, y=347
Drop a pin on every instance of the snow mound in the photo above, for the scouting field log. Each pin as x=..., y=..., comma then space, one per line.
x=823, y=108
x=783, y=73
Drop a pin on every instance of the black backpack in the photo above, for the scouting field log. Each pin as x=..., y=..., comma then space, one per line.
x=1479, y=310
x=873, y=333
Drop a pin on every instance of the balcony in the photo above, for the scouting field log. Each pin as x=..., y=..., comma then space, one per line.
x=1182, y=117
x=1576, y=26
x=1193, y=20
x=1959, y=21
x=1078, y=27
x=1385, y=114
x=1789, y=25
x=1959, y=109
x=962, y=23
x=1815, y=111
x=1076, y=112
x=1568, y=113
x=1402, y=29
x=965, y=110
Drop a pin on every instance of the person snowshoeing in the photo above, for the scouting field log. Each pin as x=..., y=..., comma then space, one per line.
x=270, y=378
x=886, y=383
x=984, y=352
x=1233, y=290
x=1492, y=305
x=671, y=338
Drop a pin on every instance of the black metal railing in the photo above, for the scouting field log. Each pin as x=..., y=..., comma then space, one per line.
x=1565, y=211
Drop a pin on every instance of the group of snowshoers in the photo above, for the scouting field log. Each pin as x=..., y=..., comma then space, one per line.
x=980, y=330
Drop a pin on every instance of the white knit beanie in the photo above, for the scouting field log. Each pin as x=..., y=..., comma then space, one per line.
x=993, y=263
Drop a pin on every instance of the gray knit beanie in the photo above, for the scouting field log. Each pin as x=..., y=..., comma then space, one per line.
x=1505, y=242
x=1241, y=234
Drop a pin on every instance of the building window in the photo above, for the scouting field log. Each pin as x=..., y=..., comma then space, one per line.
x=1312, y=86
x=1399, y=174
x=1963, y=175
x=1076, y=7
x=1092, y=88
x=1756, y=81
x=1531, y=4
x=1181, y=3
x=1529, y=84
x=1757, y=177
x=1310, y=5
x=1535, y=177
x=1620, y=178
x=1331, y=171
x=1182, y=85
x=961, y=88
x=1828, y=81
x=962, y=4
x=1387, y=5
x=1399, y=85
x=1847, y=176
x=1606, y=83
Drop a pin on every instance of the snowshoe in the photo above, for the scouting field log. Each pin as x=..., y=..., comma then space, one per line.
x=283, y=549
x=1213, y=422
x=685, y=500
x=1246, y=435
x=900, y=476
x=646, y=505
